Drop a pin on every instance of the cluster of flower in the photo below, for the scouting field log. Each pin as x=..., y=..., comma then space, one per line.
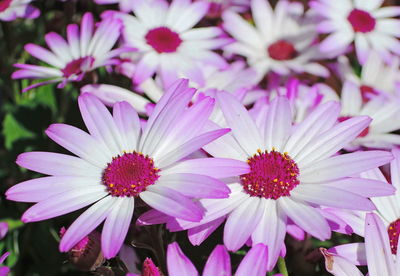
x=232, y=122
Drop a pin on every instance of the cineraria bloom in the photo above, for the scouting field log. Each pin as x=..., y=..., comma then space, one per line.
x=124, y=5
x=385, y=114
x=12, y=9
x=293, y=170
x=376, y=253
x=70, y=60
x=166, y=40
x=280, y=41
x=218, y=263
x=118, y=164
x=365, y=22
x=376, y=78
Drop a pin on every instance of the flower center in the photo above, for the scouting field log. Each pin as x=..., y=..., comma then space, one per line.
x=149, y=268
x=367, y=92
x=4, y=4
x=272, y=175
x=394, y=231
x=362, y=134
x=361, y=21
x=78, y=66
x=163, y=40
x=129, y=174
x=282, y=50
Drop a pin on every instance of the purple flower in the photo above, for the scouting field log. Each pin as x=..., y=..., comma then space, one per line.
x=118, y=162
x=166, y=41
x=365, y=23
x=293, y=170
x=84, y=51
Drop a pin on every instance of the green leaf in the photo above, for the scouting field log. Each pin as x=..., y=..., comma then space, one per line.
x=14, y=131
x=42, y=95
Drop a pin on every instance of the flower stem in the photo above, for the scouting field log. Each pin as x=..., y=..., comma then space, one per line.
x=282, y=267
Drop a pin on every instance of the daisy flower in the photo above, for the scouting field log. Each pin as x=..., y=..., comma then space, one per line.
x=70, y=60
x=118, y=164
x=376, y=253
x=376, y=77
x=12, y=9
x=166, y=40
x=365, y=23
x=293, y=170
x=280, y=41
x=385, y=114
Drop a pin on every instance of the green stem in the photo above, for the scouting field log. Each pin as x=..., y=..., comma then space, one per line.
x=282, y=267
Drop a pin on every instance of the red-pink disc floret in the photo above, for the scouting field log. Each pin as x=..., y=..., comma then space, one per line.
x=77, y=66
x=163, y=40
x=272, y=175
x=129, y=174
x=394, y=231
x=361, y=21
x=282, y=50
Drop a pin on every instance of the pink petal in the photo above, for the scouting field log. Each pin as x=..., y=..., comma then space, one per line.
x=219, y=262
x=86, y=223
x=214, y=167
x=178, y=263
x=172, y=203
x=116, y=226
x=255, y=262
x=64, y=203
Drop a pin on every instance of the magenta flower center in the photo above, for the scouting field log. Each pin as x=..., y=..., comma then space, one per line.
x=272, y=175
x=163, y=40
x=129, y=174
x=361, y=21
x=367, y=92
x=4, y=4
x=394, y=231
x=78, y=66
x=362, y=134
x=282, y=50
x=149, y=268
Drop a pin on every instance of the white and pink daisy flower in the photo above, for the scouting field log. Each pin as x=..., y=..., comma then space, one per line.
x=293, y=170
x=376, y=77
x=118, y=163
x=366, y=23
x=166, y=40
x=85, y=50
x=281, y=41
x=385, y=113
x=13, y=9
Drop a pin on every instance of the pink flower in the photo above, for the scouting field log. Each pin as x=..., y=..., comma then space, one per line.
x=124, y=5
x=281, y=40
x=70, y=60
x=118, y=163
x=166, y=40
x=365, y=23
x=13, y=9
x=293, y=170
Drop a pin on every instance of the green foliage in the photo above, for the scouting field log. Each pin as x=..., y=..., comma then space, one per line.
x=13, y=131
